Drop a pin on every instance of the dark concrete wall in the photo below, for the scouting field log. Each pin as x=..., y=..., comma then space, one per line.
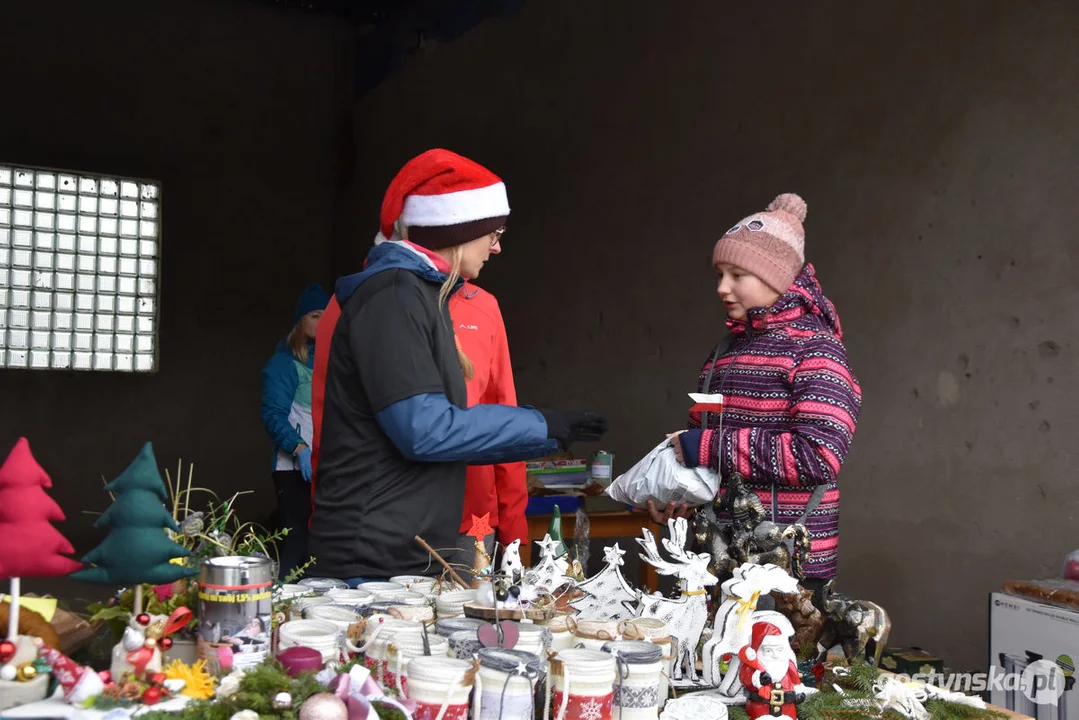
x=937, y=147
x=235, y=107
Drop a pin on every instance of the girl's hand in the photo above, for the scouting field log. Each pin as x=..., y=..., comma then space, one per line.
x=677, y=446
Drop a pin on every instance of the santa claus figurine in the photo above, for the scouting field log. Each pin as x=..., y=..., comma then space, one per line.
x=770, y=674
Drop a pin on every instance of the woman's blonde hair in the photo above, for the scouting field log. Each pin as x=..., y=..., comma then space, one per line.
x=297, y=343
x=443, y=295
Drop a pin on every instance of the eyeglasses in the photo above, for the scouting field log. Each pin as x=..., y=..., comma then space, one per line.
x=496, y=236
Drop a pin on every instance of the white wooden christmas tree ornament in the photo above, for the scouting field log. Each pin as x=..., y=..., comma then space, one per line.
x=607, y=594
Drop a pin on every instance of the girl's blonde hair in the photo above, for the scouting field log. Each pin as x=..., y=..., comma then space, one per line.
x=443, y=295
x=297, y=343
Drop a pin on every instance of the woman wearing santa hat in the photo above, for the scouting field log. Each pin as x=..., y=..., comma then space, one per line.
x=393, y=432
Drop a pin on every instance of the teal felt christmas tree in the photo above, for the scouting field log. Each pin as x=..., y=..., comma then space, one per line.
x=137, y=550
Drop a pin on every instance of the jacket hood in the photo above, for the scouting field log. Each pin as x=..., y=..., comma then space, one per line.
x=803, y=300
x=388, y=256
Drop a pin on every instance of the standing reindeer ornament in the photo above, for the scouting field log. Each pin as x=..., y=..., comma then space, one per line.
x=687, y=615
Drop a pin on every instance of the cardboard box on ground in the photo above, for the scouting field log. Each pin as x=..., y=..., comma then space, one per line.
x=1032, y=647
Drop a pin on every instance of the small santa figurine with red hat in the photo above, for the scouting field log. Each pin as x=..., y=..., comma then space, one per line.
x=770, y=674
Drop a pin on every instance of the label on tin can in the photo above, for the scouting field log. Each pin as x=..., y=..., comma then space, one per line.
x=601, y=465
x=235, y=618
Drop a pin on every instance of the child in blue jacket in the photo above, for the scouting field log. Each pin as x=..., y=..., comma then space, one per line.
x=286, y=415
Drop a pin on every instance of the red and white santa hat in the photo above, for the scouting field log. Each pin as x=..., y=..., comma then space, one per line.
x=79, y=682
x=761, y=630
x=443, y=199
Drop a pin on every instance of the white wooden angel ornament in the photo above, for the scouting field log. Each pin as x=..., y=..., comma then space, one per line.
x=735, y=617
x=687, y=615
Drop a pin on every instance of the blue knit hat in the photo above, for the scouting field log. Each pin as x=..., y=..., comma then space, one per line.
x=312, y=298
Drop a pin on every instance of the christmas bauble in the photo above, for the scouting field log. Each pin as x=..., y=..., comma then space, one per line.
x=25, y=673
x=324, y=706
x=515, y=591
x=7, y=651
x=8, y=672
x=165, y=643
x=152, y=696
x=501, y=595
x=282, y=701
x=142, y=619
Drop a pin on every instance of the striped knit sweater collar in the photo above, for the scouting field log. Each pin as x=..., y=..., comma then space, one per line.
x=803, y=300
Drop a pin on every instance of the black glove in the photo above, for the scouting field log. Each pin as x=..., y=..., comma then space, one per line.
x=799, y=698
x=570, y=427
x=766, y=679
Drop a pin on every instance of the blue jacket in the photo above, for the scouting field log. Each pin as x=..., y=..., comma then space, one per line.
x=286, y=404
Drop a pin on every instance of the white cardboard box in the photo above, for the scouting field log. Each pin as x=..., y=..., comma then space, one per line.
x=1021, y=633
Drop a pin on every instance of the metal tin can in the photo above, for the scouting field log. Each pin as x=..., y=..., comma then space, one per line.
x=601, y=467
x=235, y=606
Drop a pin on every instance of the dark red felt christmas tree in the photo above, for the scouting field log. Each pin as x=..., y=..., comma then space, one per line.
x=32, y=546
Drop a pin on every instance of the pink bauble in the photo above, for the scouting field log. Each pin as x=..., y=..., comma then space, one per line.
x=323, y=706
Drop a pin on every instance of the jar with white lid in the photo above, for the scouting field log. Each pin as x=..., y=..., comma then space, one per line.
x=440, y=687
x=654, y=631
x=636, y=687
x=562, y=629
x=582, y=682
x=506, y=685
x=406, y=645
x=592, y=634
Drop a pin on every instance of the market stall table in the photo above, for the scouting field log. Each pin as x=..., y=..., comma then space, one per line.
x=618, y=524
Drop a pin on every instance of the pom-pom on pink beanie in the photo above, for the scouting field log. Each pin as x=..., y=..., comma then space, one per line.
x=771, y=244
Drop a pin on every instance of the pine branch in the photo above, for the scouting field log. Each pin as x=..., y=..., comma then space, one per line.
x=945, y=710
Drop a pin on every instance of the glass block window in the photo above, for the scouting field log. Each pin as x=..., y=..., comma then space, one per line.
x=79, y=268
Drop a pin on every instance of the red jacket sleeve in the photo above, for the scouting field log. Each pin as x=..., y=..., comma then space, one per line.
x=323, y=336
x=510, y=484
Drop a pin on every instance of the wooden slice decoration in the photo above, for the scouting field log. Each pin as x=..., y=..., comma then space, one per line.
x=489, y=613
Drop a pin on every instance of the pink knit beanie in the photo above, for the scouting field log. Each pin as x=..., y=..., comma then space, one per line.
x=771, y=244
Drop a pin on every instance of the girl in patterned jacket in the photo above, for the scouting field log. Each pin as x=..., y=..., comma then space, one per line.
x=790, y=399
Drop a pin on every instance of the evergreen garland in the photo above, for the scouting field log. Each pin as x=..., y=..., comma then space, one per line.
x=858, y=685
x=257, y=689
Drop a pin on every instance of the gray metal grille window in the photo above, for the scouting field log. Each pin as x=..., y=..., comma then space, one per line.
x=79, y=265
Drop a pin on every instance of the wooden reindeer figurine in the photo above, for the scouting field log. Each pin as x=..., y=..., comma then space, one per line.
x=687, y=615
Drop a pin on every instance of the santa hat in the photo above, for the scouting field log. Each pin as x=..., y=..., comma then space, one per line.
x=761, y=631
x=80, y=683
x=443, y=200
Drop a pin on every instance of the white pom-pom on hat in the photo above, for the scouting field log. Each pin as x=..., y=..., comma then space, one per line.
x=789, y=203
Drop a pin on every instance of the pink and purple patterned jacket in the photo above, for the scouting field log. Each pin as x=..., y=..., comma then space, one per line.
x=790, y=407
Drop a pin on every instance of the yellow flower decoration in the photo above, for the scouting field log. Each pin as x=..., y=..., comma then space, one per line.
x=199, y=684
